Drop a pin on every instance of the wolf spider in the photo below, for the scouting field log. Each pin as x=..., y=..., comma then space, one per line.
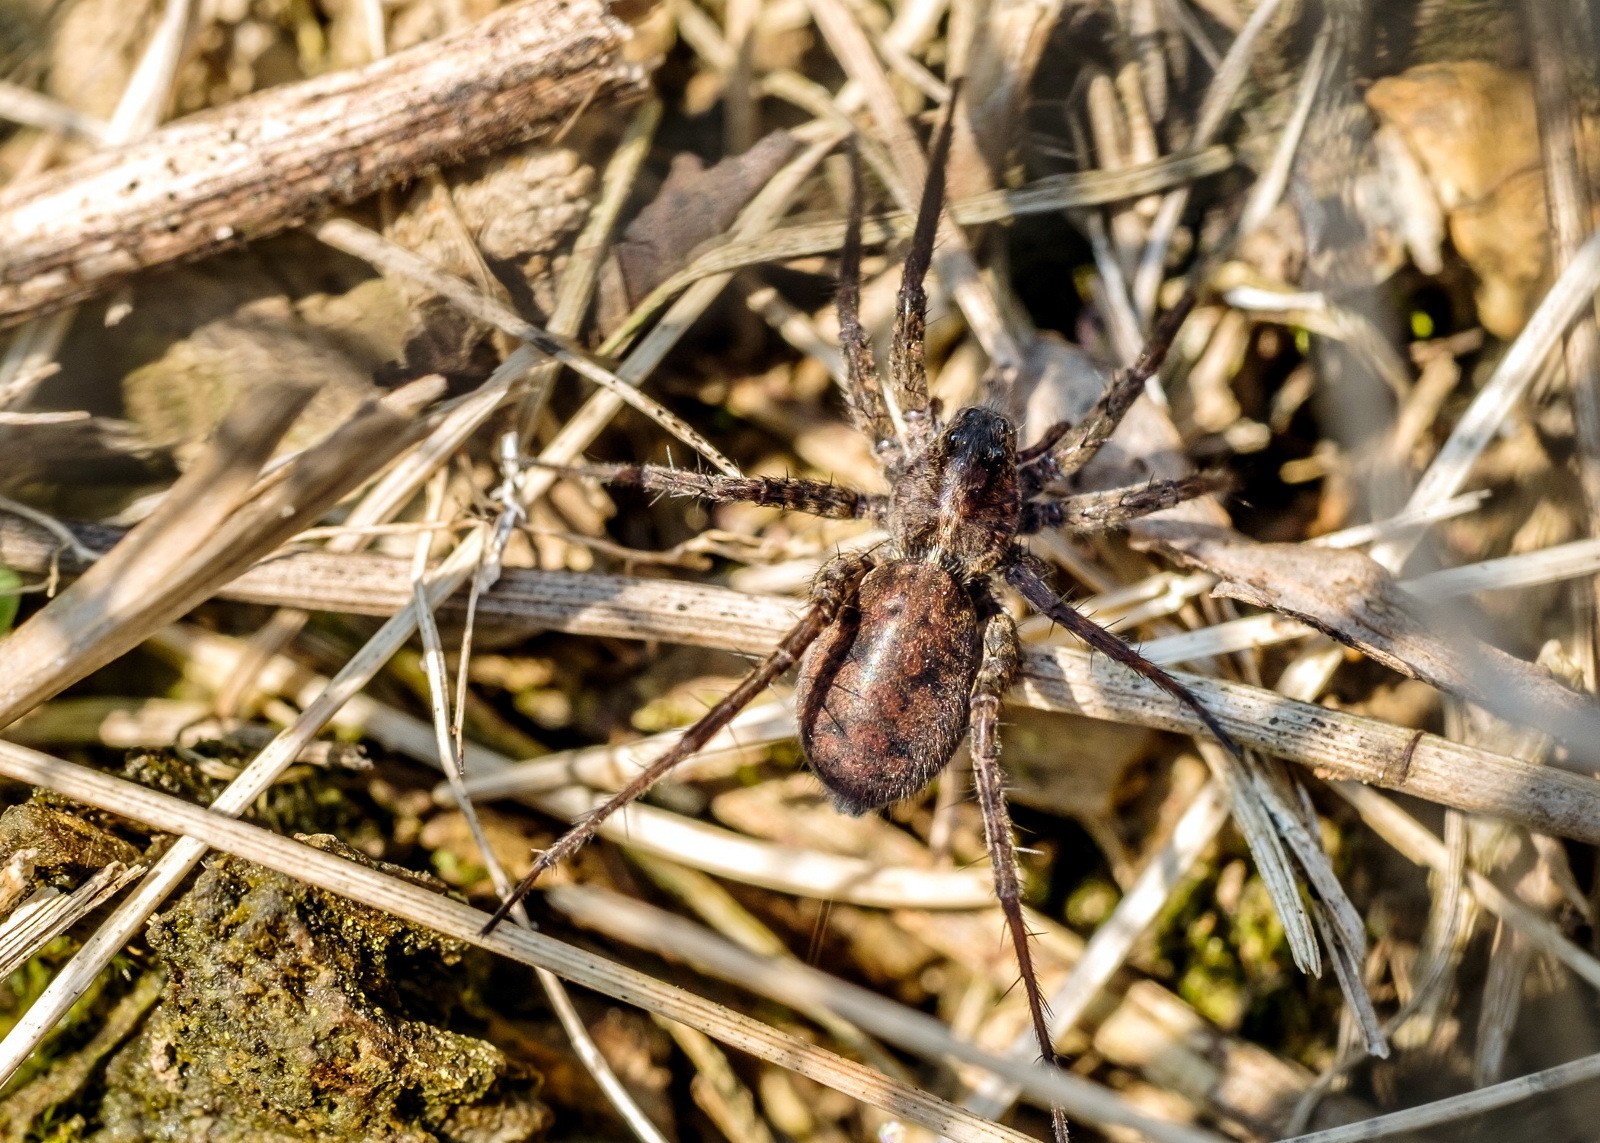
x=906, y=648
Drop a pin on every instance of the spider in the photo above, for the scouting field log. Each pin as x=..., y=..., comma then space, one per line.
x=906, y=650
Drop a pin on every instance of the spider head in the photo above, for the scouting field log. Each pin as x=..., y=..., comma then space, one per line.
x=980, y=438
x=958, y=503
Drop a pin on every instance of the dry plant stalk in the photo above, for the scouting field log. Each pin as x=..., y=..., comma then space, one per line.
x=269, y=161
x=1354, y=599
x=1332, y=742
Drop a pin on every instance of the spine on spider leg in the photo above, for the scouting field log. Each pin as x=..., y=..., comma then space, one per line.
x=836, y=583
x=907, y=369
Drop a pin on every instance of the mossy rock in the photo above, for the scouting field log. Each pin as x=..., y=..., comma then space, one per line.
x=291, y=1014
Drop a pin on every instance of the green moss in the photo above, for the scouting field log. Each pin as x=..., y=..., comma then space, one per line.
x=1224, y=947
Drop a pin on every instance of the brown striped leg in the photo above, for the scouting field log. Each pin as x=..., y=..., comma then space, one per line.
x=995, y=672
x=1064, y=448
x=818, y=497
x=908, y=372
x=836, y=585
x=1098, y=511
x=862, y=387
x=1025, y=574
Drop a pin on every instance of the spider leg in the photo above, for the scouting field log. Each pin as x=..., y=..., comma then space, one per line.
x=907, y=370
x=862, y=387
x=995, y=672
x=1064, y=448
x=818, y=497
x=835, y=585
x=1100, y=511
x=1023, y=573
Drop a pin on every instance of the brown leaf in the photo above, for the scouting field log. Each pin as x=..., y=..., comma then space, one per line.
x=695, y=204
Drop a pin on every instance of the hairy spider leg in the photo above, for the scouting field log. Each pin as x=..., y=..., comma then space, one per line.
x=818, y=497
x=907, y=369
x=1116, y=507
x=863, y=389
x=1066, y=448
x=835, y=586
x=1023, y=572
x=996, y=671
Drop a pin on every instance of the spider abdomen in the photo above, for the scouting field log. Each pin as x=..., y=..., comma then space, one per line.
x=884, y=692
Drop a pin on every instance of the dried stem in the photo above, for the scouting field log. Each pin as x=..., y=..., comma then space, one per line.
x=1342, y=744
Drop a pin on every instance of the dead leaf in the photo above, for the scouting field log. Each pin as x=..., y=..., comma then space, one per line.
x=695, y=204
x=1471, y=130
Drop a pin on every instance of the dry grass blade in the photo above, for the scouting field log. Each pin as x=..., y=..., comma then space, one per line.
x=435, y=911
x=121, y=723
x=1459, y=1107
x=24, y=105
x=342, y=234
x=1550, y=565
x=717, y=1088
x=1564, y=561
x=217, y=520
x=39, y=921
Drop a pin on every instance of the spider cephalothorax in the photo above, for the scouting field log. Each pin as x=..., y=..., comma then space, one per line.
x=907, y=650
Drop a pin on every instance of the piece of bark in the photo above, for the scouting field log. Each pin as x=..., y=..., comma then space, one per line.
x=273, y=159
x=1353, y=599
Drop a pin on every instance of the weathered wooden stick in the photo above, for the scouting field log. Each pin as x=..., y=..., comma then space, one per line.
x=271, y=160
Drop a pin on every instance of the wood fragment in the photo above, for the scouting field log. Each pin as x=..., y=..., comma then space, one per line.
x=273, y=159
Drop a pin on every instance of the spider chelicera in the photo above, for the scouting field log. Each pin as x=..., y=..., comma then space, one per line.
x=906, y=650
